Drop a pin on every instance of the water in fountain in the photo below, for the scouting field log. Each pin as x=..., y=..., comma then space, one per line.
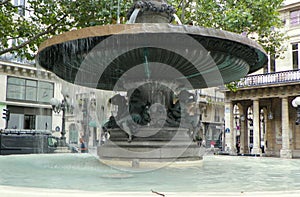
x=133, y=16
x=84, y=172
x=177, y=19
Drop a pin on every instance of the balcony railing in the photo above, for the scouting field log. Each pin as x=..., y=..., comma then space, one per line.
x=270, y=78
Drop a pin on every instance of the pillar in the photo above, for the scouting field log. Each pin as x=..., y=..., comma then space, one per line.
x=266, y=125
x=285, y=151
x=243, y=134
x=256, y=127
x=244, y=129
x=229, y=127
x=270, y=132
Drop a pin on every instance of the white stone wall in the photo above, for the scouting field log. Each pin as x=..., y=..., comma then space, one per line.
x=2, y=97
x=292, y=32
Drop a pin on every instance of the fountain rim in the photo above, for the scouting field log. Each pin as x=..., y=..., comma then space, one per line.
x=138, y=28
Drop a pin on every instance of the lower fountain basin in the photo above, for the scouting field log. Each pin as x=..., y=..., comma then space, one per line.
x=150, y=147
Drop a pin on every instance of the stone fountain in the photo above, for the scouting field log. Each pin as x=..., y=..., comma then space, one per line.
x=153, y=64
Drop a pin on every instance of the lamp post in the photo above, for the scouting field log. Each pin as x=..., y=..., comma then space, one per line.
x=223, y=137
x=58, y=106
x=296, y=104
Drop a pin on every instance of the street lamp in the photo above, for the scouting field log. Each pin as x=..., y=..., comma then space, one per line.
x=58, y=106
x=296, y=104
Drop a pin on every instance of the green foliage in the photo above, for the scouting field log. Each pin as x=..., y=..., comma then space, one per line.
x=258, y=19
x=21, y=35
x=45, y=18
x=232, y=86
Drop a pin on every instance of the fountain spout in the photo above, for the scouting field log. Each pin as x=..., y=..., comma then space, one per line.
x=177, y=20
x=151, y=11
x=133, y=16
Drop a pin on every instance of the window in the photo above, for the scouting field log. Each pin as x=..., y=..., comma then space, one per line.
x=29, y=121
x=29, y=117
x=21, y=6
x=217, y=115
x=295, y=17
x=29, y=90
x=271, y=67
x=45, y=92
x=16, y=88
x=296, y=56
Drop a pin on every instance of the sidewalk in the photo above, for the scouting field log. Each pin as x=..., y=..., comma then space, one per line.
x=7, y=191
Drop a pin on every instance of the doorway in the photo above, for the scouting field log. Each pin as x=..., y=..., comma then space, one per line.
x=29, y=121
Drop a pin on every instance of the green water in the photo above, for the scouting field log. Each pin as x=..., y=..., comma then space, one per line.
x=85, y=172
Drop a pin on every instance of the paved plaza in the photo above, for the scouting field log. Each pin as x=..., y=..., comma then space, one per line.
x=7, y=191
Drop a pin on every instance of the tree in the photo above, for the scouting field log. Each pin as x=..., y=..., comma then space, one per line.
x=45, y=18
x=258, y=19
x=22, y=29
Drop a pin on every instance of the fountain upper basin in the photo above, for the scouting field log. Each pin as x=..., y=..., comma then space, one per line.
x=99, y=56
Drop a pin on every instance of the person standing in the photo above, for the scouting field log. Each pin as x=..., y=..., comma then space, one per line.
x=83, y=147
x=238, y=146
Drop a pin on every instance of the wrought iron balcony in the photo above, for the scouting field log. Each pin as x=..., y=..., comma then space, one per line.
x=291, y=76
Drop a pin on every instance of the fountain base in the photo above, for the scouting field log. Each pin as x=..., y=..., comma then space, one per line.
x=143, y=164
x=159, y=147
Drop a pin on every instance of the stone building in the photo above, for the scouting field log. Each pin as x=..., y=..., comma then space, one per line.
x=26, y=91
x=259, y=117
x=211, y=108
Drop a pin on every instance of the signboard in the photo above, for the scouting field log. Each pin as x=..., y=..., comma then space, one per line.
x=57, y=129
x=227, y=110
x=227, y=130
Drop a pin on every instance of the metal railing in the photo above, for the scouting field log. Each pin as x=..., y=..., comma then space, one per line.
x=270, y=78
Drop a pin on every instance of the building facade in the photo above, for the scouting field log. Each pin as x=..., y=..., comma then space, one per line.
x=90, y=110
x=25, y=92
x=259, y=117
x=210, y=102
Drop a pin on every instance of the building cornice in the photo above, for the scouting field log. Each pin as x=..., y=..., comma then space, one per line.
x=24, y=70
x=22, y=104
x=285, y=90
x=289, y=7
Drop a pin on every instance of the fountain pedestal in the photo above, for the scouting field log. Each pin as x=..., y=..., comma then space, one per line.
x=161, y=146
x=151, y=11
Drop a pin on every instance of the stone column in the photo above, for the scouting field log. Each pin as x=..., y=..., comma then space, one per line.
x=285, y=151
x=266, y=123
x=256, y=143
x=229, y=125
x=243, y=134
x=244, y=127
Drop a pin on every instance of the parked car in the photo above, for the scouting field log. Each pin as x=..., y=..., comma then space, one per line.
x=26, y=142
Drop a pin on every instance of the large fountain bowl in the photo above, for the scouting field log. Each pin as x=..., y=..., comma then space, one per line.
x=99, y=56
